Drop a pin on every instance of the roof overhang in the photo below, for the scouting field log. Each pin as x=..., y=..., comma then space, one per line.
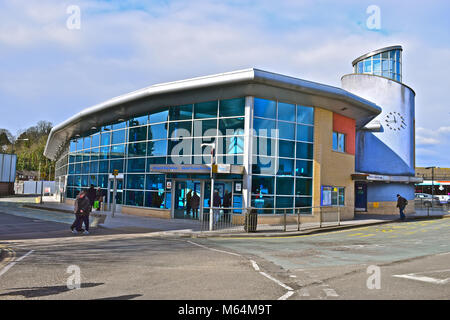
x=374, y=52
x=248, y=82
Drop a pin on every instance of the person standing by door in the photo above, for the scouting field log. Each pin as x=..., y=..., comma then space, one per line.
x=217, y=202
x=226, y=203
x=188, y=203
x=195, y=203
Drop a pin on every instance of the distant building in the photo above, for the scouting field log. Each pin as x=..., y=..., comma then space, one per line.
x=25, y=175
x=7, y=173
x=440, y=180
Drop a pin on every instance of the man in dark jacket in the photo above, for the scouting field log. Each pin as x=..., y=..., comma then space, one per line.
x=401, y=205
x=91, y=194
x=226, y=204
x=82, y=208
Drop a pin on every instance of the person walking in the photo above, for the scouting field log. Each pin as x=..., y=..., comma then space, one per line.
x=401, y=205
x=82, y=205
x=99, y=198
x=226, y=204
x=91, y=194
x=217, y=202
x=195, y=203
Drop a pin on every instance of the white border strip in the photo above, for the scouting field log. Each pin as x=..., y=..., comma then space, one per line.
x=11, y=264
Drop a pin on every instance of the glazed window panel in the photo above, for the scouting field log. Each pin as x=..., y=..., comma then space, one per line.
x=231, y=126
x=303, y=187
x=301, y=202
x=284, y=202
x=286, y=149
x=305, y=115
x=79, y=144
x=73, y=146
x=137, y=149
x=303, y=168
x=118, y=151
x=136, y=165
x=285, y=186
x=180, y=129
x=264, y=108
x=183, y=112
x=160, y=116
x=95, y=140
x=93, y=167
x=285, y=167
x=155, y=182
x=154, y=199
x=305, y=150
x=135, y=181
x=134, y=198
x=264, y=165
x=137, y=134
x=264, y=127
x=116, y=165
x=180, y=147
x=263, y=184
x=205, y=128
x=286, y=111
x=157, y=148
x=86, y=142
x=157, y=131
x=118, y=137
x=119, y=125
x=263, y=202
x=205, y=109
x=105, y=138
x=305, y=133
x=232, y=107
x=286, y=130
x=263, y=146
x=138, y=121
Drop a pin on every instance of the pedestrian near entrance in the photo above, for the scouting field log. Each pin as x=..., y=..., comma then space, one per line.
x=195, y=203
x=226, y=204
x=99, y=198
x=188, y=202
x=216, y=203
x=401, y=205
x=82, y=207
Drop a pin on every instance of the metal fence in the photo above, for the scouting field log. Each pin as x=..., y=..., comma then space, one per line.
x=429, y=207
x=269, y=219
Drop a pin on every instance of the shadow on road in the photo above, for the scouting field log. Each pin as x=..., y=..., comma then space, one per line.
x=34, y=292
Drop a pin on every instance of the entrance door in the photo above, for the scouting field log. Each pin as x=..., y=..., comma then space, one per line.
x=360, y=196
x=184, y=192
x=119, y=194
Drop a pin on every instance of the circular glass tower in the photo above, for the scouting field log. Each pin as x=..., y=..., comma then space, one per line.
x=385, y=62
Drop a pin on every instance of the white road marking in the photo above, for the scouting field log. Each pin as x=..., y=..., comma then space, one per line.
x=11, y=264
x=286, y=295
x=255, y=266
x=205, y=247
x=276, y=281
x=412, y=276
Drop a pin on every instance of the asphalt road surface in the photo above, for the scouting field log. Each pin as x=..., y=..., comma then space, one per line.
x=42, y=260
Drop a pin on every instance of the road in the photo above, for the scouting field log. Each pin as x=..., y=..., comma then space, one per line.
x=413, y=260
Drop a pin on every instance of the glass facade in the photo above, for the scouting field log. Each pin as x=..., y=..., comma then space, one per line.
x=282, y=156
x=387, y=64
x=282, y=152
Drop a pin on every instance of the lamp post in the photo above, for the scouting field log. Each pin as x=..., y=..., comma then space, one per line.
x=432, y=184
x=211, y=199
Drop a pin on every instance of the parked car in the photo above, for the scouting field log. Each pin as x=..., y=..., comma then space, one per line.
x=443, y=199
x=425, y=199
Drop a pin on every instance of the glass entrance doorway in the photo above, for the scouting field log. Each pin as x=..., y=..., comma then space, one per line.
x=188, y=199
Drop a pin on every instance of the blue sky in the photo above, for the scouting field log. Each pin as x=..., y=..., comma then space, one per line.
x=49, y=72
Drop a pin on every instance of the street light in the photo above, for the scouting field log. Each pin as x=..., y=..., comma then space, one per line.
x=432, y=183
x=211, y=199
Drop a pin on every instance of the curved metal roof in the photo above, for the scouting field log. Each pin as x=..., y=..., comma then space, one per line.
x=372, y=53
x=248, y=82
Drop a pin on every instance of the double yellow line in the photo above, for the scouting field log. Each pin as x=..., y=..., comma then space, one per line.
x=10, y=256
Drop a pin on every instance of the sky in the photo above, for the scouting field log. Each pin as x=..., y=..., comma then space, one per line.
x=55, y=63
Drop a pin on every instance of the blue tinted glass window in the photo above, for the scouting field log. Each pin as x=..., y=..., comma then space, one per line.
x=103, y=181
x=161, y=116
x=304, y=150
x=286, y=149
x=264, y=146
x=263, y=202
x=305, y=115
x=231, y=145
x=180, y=112
x=118, y=151
x=157, y=131
x=286, y=130
x=119, y=125
x=264, y=108
x=137, y=134
x=136, y=165
x=303, y=187
x=303, y=168
x=262, y=184
x=118, y=136
x=285, y=167
x=135, y=181
x=71, y=168
x=264, y=165
x=231, y=126
x=95, y=154
x=105, y=138
x=335, y=141
x=85, y=181
x=104, y=153
x=137, y=149
x=157, y=148
x=95, y=140
x=377, y=67
x=284, y=202
x=134, y=198
x=78, y=168
x=368, y=66
x=80, y=144
x=103, y=166
x=106, y=128
x=263, y=127
x=155, y=160
x=285, y=186
x=205, y=110
x=180, y=147
x=139, y=121
x=205, y=128
x=155, y=182
x=85, y=167
x=73, y=146
x=180, y=129
x=360, y=67
x=154, y=199
x=93, y=167
x=301, y=202
x=86, y=142
x=232, y=107
x=286, y=111
x=92, y=179
x=305, y=133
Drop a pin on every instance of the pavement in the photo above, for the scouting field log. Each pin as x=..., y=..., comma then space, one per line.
x=52, y=210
